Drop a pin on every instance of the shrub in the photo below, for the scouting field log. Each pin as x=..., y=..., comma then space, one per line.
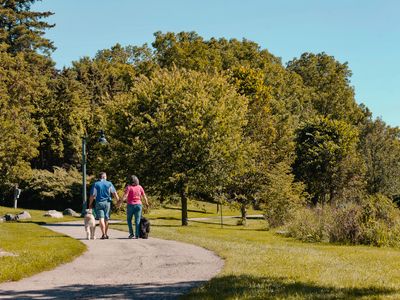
x=376, y=221
x=281, y=197
x=59, y=189
x=309, y=225
x=380, y=222
x=346, y=225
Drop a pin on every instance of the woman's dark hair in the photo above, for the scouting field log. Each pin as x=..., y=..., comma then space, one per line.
x=133, y=180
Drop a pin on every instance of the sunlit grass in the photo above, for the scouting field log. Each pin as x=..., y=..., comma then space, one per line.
x=260, y=264
x=34, y=248
x=195, y=210
x=37, y=215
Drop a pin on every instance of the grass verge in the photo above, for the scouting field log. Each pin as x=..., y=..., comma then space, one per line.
x=34, y=248
x=260, y=264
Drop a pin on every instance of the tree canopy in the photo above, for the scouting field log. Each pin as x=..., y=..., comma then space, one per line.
x=179, y=130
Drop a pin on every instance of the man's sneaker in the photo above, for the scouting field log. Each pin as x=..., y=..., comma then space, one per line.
x=131, y=236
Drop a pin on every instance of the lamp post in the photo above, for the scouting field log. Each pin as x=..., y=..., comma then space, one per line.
x=102, y=140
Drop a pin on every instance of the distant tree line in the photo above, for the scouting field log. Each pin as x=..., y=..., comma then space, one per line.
x=217, y=119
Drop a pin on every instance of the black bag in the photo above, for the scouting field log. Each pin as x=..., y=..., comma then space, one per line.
x=144, y=228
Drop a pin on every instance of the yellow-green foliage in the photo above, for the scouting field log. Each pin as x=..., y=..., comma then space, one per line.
x=59, y=189
x=181, y=131
x=281, y=196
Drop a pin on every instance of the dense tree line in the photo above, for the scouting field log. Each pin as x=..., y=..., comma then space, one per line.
x=211, y=119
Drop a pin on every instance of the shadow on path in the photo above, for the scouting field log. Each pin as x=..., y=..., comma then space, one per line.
x=125, y=291
x=79, y=223
x=61, y=224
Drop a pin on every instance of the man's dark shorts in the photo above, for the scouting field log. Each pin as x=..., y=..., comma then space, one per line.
x=103, y=210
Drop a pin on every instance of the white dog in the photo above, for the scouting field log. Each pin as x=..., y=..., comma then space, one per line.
x=90, y=225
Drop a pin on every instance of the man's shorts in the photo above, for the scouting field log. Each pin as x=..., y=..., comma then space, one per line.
x=103, y=210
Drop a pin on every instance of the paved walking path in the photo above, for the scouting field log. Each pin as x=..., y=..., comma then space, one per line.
x=120, y=268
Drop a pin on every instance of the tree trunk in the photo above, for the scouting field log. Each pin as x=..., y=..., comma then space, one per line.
x=184, y=205
x=243, y=210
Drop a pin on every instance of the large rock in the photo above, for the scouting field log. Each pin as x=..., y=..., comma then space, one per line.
x=10, y=217
x=53, y=214
x=4, y=253
x=70, y=212
x=24, y=215
x=2, y=219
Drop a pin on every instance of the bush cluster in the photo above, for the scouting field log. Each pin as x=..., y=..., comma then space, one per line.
x=58, y=190
x=375, y=221
x=281, y=197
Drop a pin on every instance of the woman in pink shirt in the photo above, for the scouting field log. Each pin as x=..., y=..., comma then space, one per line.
x=133, y=196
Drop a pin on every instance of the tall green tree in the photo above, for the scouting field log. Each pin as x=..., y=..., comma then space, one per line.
x=329, y=88
x=326, y=160
x=277, y=98
x=380, y=149
x=141, y=58
x=76, y=105
x=189, y=50
x=260, y=132
x=19, y=140
x=22, y=38
x=180, y=131
x=66, y=113
x=21, y=29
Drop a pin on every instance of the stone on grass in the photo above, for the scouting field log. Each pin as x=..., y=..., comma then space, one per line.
x=4, y=253
x=10, y=217
x=53, y=214
x=70, y=212
x=2, y=219
x=24, y=215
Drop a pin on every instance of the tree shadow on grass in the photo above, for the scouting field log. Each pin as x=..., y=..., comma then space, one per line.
x=31, y=222
x=166, y=218
x=212, y=223
x=121, y=291
x=189, y=210
x=63, y=224
x=251, y=287
x=165, y=225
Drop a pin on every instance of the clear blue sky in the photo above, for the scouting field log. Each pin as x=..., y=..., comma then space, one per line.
x=364, y=33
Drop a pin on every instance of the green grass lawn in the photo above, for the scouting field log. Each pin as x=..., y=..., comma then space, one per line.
x=196, y=209
x=260, y=264
x=35, y=248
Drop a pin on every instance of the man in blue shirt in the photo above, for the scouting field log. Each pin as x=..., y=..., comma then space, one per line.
x=102, y=190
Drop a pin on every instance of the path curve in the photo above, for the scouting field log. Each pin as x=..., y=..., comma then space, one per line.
x=120, y=268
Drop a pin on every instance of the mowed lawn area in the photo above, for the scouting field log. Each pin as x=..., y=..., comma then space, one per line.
x=34, y=249
x=261, y=264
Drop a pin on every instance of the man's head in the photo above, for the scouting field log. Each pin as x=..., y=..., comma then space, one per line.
x=103, y=175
